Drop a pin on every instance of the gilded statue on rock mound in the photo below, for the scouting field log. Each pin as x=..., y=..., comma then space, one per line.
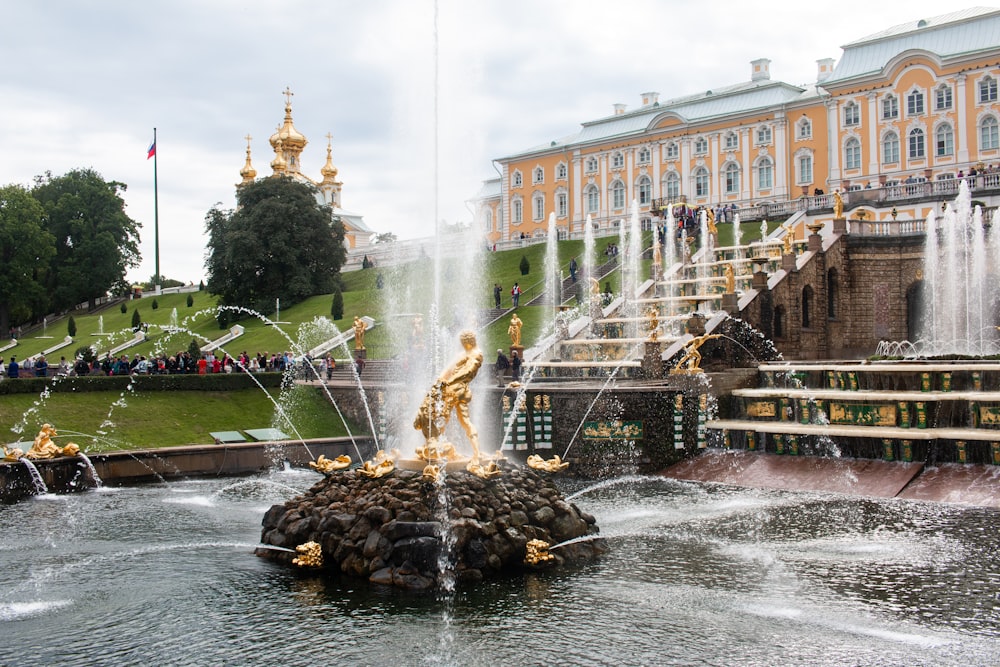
x=514, y=330
x=359, y=333
x=44, y=448
x=690, y=361
x=450, y=393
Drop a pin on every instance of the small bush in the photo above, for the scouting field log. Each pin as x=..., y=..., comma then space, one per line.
x=525, y=265
x=194, y=349
x=136, y=320
x=190, y=300
x=71, y=327
x=156, y=304
x=337, y=307
x=123, y=308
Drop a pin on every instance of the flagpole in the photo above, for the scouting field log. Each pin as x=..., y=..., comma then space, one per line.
x=156, y=218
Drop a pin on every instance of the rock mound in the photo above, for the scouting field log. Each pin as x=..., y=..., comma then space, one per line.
x=405, y=531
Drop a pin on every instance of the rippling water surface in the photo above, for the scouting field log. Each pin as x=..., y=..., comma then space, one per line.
x=703, y=575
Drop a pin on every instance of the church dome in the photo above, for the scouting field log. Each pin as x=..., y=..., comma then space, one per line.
x=329, y=171
x=289, y=137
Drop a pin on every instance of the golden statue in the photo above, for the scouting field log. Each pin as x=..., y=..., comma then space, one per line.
x=653, y=317
x=380, y=467
x=730, y=279
x=838, y=205
x=450, y=392
x=44, y=448
x=690, y=362
x=789, y=235
x=310, y=555
x=555, y=464
x=325, y=465
x=595, y=287
x=710, y=221
x=12, y=454
x=514, y=330
x=484, y=471
x=359, y=333
x=536, y=551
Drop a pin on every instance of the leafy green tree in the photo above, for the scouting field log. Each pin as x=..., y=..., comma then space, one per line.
x=71, y=327
x=95, y=241
x=278, y=243
x=26, y=249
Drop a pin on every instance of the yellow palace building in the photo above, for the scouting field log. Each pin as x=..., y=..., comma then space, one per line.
x=914, y=105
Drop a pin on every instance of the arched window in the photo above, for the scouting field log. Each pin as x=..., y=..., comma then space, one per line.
x=763, y=135
x=517, y=211
x=538, y=176
x=915, y=103
x=890, y=148
x=804, y=129
x=700, y=146
x=732, y=141
x=916, y=144
x=618, y=196
x=807, y=302
x=805, y=170
x=644, y=155
x=617, y=160
x=591, y=165
x=988, y=90
x=672, y=151
x=852, y=154
x=645, y=187
x=890, y=107
x=672, y=186
x=989, y=138
x=562, y=204
x=765, y=174
x=944, y=140
x=517, y=179
x=732, y=176
x=701, y=182
x=593, y=195
x=561, y=171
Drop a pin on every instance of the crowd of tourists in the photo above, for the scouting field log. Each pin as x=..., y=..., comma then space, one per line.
x=163, y=364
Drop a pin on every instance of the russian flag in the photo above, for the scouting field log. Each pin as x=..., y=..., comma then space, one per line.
x=152, y=150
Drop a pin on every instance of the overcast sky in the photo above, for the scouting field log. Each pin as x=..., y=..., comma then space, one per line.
x=84, y=83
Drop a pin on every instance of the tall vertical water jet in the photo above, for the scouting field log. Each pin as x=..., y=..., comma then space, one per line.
x=553, y=275
x=589, y=243
x=959, y=296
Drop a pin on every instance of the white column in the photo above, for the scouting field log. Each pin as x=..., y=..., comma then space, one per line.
x=962, y=139
x=873, y=144
x=782, y=187
x=746, y=146
x=833, y=146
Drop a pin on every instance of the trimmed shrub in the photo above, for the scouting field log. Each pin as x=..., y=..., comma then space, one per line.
x=525, y=265
x=71, y=327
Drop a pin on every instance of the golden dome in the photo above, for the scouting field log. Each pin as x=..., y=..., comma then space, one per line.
x=278, y=164
x=248, y=172
x=290, y=138
x=329, y=171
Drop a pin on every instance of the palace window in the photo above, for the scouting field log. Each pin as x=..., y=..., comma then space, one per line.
x=944, y=141
x=561, y=171
x=538, y=176
x=618, y=196
x=518, y=180
x=617, y=160
x=765, y=174
x=673, y=186
x=643, y=155
x=591, y=165
x=488, y=220
x=732, y=176
x=805, y=170
x=890, y=107
x=852, y=114
x=763, y=135
x=538, y=207
x=915, y=103
x=645, y=190
x=989, y=137
x=942, y=97
x=593, y=195
x=700, y=146
x=988, y=90
x=701, y=182
x=562, y=204
x=672, y=151
x=890, y=148
x=517, y=212
x=805, y=129
x=732, y=141
x=852, y=154
x=915, y=143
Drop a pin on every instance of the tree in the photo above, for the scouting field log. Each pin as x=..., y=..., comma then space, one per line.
x=26, y=249
x=337, y=307
x=96, y=242
x=71, y=327
x=280, y=242
x=123, y=308
x=156, y=304
x=190, y=301
x=525, y=265
x=136, y=320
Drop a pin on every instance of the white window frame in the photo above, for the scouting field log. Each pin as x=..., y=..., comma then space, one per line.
x=915, y=103
x=944, y=140
x=943, y=98
x=916, y=144
x=852, y=154
x=890, y=107
x=852, y=114
x=890, y=148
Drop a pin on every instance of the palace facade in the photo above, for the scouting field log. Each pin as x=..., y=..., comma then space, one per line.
x=913, y=104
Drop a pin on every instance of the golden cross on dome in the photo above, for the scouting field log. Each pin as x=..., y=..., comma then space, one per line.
x=248, y=138
x=329, y=139
x=288, y=95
